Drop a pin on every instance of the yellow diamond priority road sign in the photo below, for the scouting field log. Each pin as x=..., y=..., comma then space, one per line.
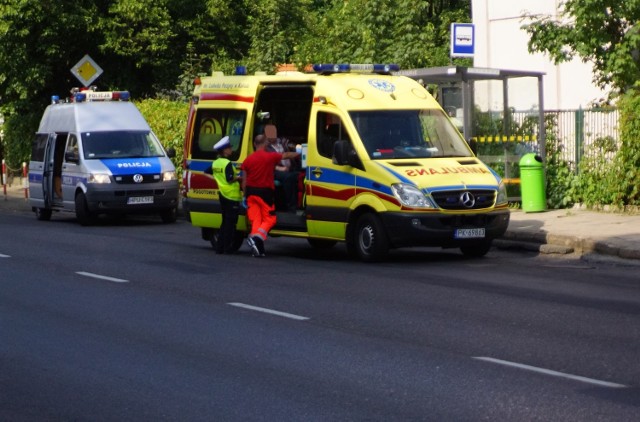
x=86, y=70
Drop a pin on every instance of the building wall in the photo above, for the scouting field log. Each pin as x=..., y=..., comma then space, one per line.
x=501, y=43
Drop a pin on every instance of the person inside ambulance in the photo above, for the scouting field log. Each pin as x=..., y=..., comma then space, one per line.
x=284, y=174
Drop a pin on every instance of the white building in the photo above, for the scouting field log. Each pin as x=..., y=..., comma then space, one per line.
x=501, y=43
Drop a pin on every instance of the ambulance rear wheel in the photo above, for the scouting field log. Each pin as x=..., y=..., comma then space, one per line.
x=83, y=215
x=238, y=239
x=43, y=214
x=370, y=243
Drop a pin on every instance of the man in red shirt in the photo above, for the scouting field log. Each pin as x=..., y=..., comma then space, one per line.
x=259, y=189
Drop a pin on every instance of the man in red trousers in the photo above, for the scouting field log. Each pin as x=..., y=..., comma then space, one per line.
x=259, y=190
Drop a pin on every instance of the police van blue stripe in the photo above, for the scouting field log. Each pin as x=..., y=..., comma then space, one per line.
x=119, y=166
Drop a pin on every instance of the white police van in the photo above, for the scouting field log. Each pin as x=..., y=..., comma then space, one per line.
x=96, y=154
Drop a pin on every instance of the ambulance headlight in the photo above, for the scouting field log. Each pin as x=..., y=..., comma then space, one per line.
x=410, y=196
x=168, y=176
x=99, y=178
x=501, y=199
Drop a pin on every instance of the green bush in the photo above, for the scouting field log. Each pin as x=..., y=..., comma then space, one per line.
x=168, y=120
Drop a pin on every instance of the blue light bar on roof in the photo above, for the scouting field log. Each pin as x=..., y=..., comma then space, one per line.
x=355, y=68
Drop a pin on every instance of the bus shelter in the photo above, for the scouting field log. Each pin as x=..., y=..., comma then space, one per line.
x=459, y=81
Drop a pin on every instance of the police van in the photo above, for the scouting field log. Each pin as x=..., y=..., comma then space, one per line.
x=96, y=154
x=382, y=165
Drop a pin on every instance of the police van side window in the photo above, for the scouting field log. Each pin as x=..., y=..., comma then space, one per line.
x=38, y=147
x=211, y=126
x=71, y=152
x=329, y=129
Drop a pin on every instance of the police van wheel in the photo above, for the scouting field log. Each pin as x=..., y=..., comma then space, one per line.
x=43, y=214
x=83, y=215
x=371, y=243
x=476, y=250
x=169, y=215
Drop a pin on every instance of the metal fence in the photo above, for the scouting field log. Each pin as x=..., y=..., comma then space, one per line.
x=580, y=133
x=502, y=140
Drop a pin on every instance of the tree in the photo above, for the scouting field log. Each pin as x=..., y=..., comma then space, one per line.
x=603, y=32
x=407, y=32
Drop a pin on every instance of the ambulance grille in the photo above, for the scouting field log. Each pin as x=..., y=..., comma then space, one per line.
x=146, y=178
x=465, y=199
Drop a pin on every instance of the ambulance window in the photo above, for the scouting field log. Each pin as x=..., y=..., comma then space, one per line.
x=211, y=126
x=329, y=129
x=392, y=134
x=38, y=147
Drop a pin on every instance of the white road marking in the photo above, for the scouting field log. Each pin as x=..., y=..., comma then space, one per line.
x=102, y=277
x=553, y=373
x=4, y=256
x=268, y=311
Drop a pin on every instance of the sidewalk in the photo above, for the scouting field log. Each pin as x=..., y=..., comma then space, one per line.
x=569, y=231
x=575, y=230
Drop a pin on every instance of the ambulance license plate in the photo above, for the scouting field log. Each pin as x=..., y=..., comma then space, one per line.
x=469, y=233
x=134, y=200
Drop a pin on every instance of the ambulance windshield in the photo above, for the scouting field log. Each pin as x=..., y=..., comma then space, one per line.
x=120, y=144
x=390, y=134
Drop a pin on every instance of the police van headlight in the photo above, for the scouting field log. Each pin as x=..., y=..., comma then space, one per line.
x=99, y=178
x=501, y=199
x=168, y=176
x=410, y=196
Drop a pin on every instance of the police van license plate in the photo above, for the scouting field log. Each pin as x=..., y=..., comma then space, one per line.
x=133, y=200
x=469, y=233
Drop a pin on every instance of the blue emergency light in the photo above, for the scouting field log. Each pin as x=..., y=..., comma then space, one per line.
x=329, y=68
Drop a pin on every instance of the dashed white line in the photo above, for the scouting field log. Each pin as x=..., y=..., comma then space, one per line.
x=268, y=311
x=551, y=372
x=4, y=256
x=102, y=277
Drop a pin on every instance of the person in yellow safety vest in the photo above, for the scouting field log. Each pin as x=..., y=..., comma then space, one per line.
x=230, y=196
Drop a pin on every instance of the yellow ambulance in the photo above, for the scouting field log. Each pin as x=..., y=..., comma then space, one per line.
x=382, y=166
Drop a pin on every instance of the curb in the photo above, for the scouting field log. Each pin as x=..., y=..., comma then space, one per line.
x=563, y=245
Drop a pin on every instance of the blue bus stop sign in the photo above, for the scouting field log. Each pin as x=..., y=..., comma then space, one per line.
x=462, y=39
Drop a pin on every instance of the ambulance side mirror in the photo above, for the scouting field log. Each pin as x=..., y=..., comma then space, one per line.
x=171, y=152
x=345, y=155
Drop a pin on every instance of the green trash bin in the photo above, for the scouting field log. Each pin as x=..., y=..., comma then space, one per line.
x=532, y=186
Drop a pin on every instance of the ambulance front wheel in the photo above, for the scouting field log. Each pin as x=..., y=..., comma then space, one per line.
x=43, y=214
x=476, y=249
x=370, y=243
x=83, y=215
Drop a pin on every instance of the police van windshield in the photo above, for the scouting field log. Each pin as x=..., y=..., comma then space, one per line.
x=120, y=144
x=390, y=134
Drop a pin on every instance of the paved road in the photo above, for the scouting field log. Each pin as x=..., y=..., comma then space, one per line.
x=136, y=320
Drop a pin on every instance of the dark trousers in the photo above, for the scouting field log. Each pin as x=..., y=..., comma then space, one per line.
x=289, y=182
x=226, y=235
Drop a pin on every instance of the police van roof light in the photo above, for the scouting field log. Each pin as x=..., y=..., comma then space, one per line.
x=55, y=99
x=120, y=95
